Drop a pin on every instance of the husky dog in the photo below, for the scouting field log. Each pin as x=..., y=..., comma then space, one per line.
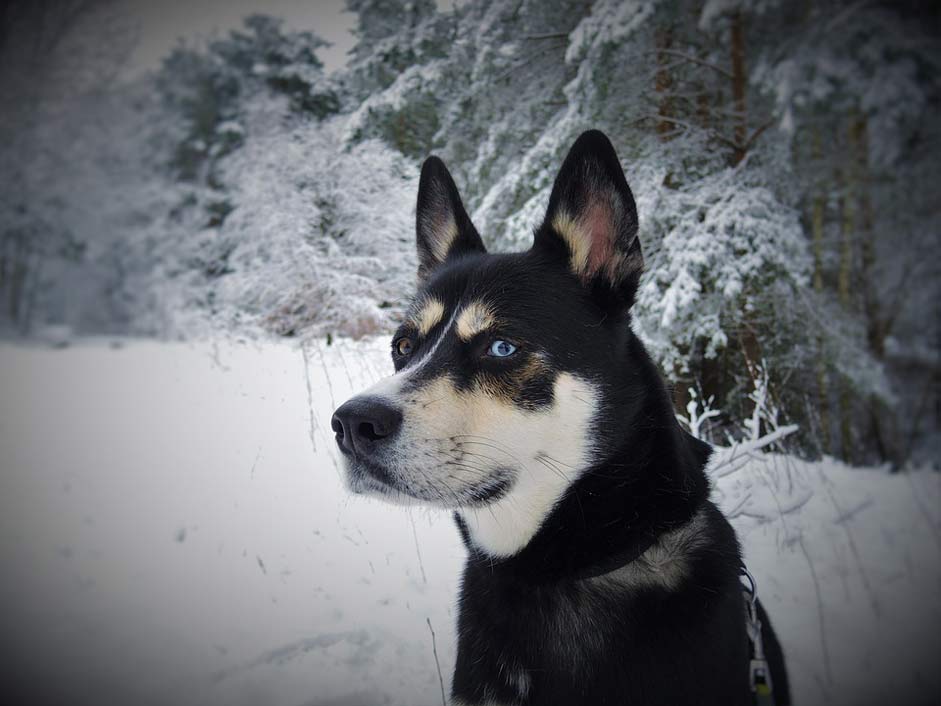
x=599, y=572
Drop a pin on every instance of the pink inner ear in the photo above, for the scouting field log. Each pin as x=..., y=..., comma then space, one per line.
x=598, y=222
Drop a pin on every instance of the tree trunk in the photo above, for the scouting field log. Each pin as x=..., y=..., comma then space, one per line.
x=844, y=290
x=750, y=347
x=681, y=390
x=747, y=336
x=875, y=329
x=663, y=84
x=4, y=274
x=882, y=423
x=818, y=209
x=739, y=83
x=17, y=278
x=31, y=291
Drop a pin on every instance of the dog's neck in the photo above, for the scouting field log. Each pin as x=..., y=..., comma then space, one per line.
x=610, y=514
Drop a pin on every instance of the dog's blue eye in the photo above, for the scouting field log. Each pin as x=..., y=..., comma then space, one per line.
x=501, y=349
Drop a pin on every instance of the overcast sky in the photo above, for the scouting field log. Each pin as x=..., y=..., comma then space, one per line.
x=161, y=24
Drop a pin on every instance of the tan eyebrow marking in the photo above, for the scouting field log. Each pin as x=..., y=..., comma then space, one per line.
x=428, y=316
x=474, y=318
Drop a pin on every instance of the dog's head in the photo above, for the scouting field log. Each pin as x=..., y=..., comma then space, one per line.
x=513, y=371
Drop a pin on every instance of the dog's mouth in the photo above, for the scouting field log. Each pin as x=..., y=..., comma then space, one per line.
x=367, y=477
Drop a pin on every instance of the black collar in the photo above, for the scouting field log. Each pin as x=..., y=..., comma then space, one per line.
x=617, y=560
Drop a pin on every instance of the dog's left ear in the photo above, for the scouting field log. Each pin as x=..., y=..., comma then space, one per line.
x=591, y=221
x=443, y=229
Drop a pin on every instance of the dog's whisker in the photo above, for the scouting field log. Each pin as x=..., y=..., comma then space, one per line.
x=492, y=443
x=551, y=467
x=556, y=461
x=481, y=473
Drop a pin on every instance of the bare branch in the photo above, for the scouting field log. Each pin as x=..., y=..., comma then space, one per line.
x=434, y=649
x=712, y=133
x=842, y=17
x=756, y=134
x=687, y=126
x=551, y=35
x=524, y=62
x=694, y=60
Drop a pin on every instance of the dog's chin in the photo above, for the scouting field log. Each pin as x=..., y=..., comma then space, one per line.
x=363, y=479
x=370, y=479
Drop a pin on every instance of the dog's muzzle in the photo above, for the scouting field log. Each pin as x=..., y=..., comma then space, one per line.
x=363, y=425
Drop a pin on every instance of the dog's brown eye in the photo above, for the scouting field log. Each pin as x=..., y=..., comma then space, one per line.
x=403, y=346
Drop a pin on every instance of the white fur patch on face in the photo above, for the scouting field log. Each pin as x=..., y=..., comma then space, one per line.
x=474, y=318
x=429, y=314
x=551, y=448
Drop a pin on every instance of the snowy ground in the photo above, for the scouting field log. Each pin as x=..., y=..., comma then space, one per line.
x=173, y=530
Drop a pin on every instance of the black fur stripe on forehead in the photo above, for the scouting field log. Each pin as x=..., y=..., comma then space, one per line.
x=443, y=229
x=591, y=220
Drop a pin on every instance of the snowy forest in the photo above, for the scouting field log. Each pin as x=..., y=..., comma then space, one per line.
x=785, y=158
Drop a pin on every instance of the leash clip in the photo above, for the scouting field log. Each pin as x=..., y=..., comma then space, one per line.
x=759, y=677
x=759, y=674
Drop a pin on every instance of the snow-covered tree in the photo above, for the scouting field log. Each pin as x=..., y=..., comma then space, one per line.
x=780, y=155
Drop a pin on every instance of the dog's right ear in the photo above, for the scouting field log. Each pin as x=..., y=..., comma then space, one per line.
x=443, y=228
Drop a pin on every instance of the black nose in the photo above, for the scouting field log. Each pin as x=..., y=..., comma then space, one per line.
x=362, y=423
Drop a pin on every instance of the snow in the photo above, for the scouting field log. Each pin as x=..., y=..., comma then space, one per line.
x=174, y=529
x=847, y=562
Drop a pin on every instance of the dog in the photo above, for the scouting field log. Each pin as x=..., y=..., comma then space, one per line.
x=598, y=570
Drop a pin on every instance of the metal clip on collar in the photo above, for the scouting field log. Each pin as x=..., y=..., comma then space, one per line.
x=759, y=675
